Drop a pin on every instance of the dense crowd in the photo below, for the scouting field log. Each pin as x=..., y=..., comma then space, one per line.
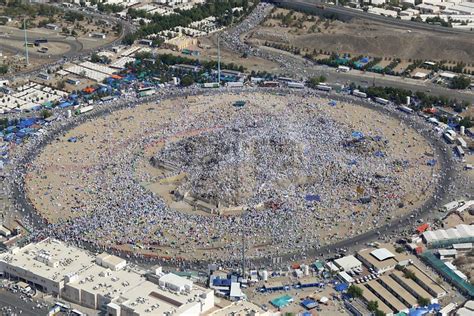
x=333, y=176
x=351, y=181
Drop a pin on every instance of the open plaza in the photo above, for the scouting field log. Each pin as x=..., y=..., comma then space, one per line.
x=341, y=174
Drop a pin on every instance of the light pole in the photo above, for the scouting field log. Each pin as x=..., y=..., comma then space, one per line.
x=26, y=43
x=219, y=59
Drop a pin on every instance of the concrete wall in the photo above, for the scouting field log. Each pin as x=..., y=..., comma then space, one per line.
x=72, y=294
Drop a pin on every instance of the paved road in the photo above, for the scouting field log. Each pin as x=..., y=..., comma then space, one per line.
x=16, y=304
x=442, y=194
x=77, y=50
x=75, y=46
x=315, y=6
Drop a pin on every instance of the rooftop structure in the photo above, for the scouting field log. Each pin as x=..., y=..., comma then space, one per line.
x=348, y=263
x=461, y=234
x=381, y=260
x=103, y=281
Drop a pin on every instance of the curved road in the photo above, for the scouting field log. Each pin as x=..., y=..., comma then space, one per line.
x=77, y=49
x=408, y=220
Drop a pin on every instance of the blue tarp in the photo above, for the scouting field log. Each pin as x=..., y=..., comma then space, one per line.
x=313, y=197
x=221, y=282
x=379, y=154
x=309, y=303
x=357, y=135
x=434, y=307
x=26, y=123
x=10, y=129
x=341, y=287
x=9, y=137
x=65, y=105
x=418, y=311
x=352, y=162
x=72, y=139
x=431, y=162
x=332, y=103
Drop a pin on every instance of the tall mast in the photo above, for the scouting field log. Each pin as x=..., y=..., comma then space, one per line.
x=26, y=43
x=219, y=59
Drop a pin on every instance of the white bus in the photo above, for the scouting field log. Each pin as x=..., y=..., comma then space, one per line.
x=323, y=87
x=359, y=94
x=448, y=138
x=459, y=151
x=381, y=101
x=405, y=109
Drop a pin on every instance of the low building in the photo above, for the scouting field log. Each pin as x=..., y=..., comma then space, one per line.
x=442, y=238
x=348, y=263
x=103, y=281
x=381, y=260
x=180, y=43
x=428, y=8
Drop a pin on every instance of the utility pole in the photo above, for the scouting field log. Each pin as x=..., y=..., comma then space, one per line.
x=219, y=59
x=26, y=43
x=243, y=243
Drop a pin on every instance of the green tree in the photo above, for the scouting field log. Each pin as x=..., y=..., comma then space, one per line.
x=46, y=113
x=187, y=81
x=409, y=274
x=355, y=291
x=378, y=312
x=460, y=82
x=422, y=301
x=314, y=81
x=372, y=306
x=3, y=69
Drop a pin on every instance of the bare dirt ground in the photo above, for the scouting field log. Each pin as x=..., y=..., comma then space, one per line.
x=365, y=38
x=72, y=190
x=208, y=52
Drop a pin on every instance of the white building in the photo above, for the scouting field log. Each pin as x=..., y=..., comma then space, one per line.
x=348, y=263
x=428, y=8
x=103, y=281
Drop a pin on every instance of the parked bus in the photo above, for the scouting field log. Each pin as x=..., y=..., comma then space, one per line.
x=381, y=101
x=359, y=94
x=405, y=109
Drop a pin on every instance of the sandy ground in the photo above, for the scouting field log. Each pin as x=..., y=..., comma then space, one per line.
x=67, y=179
x=366, y=38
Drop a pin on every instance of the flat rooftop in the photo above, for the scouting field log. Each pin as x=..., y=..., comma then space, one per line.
x=401, y=292
x=405, y=282
x=430, y=283
x=391, y=300
x=369, y=296
x=148, y=297
x=103, y=281
x=57, y=259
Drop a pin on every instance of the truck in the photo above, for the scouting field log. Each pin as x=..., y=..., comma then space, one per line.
x=85, y=109
x=459, y=151
x=381, y=101
x=448, y=138
x=40, y=41
x=405, y=109
x=145, y=92
x=237, y=84
x=452, y=206
x=296, y=85
x=270, y=84
x=210, y=85
x=343, y=69
x=359, y=94
x=462, y=142
x=323, y=87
